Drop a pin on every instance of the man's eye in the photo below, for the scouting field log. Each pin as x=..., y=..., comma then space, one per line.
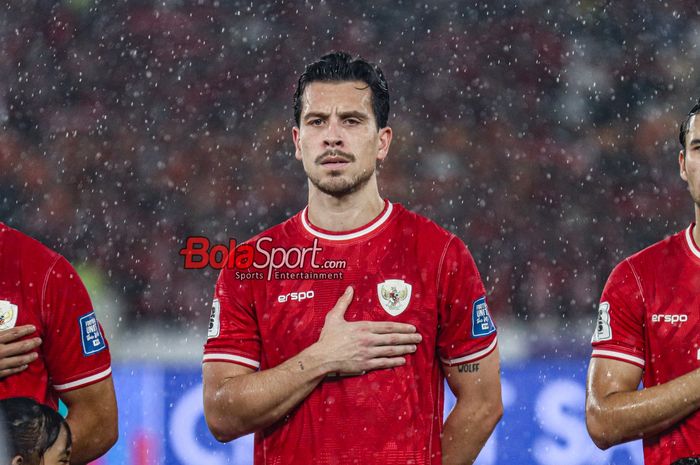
x=351, y=121
x=316, y=122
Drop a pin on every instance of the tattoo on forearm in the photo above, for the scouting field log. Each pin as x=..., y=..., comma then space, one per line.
x=301, y=365
x=468, y=368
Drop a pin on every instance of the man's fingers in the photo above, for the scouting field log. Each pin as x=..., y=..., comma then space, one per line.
x=19, y=347
x=384, y=327
x=12, y=371
x=385, y=362
x=12, y=334
x=392, y=351
x=342, y=304
x=396, y=339
x=9, y=363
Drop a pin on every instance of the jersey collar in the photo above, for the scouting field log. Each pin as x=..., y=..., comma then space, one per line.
x=347, y=235
x=691, y=241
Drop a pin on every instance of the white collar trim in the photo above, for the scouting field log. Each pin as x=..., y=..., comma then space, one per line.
x=353, y=235
x=691, y=243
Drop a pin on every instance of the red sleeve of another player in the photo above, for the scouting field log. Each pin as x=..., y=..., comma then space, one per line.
x=466, y=331
x=74, y=345
x=619, y=331
x=233, y=334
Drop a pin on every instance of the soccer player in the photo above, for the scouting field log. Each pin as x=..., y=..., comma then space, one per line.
x=648, y=328
x=337, y=354
x=39, y=288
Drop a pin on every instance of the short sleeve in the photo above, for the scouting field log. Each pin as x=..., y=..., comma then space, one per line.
x=233, y=334
x=619, y=332
x=74, y=345
x=466, y=332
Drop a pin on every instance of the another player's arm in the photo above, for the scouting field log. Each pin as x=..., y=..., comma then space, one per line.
x=238, y=401
x=92, y=417
x=616, y=411
x=477, y=387
x=17, y=353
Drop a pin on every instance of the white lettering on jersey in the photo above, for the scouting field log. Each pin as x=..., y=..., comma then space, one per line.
x=295, y=296
x=680, y=318
x=603, y=330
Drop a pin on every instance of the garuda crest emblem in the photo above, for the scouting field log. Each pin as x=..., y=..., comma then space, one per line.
x=394, y=295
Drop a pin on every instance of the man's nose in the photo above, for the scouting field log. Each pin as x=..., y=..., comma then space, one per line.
x=332, y=138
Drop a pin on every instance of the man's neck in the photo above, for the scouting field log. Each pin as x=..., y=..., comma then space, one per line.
x=346, y=213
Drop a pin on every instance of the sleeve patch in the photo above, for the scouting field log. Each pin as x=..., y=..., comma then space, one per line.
x=482, y=325
x=603, y=330
x=90, y=334
x=214, y=320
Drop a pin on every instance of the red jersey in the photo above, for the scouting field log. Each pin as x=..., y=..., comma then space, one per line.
x=403, y=268
x=39, y=287
x=649, y=316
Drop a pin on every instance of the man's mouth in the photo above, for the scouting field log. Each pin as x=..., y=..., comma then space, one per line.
x=334, y=162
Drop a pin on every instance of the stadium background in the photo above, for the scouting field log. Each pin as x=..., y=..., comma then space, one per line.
x=543, y=133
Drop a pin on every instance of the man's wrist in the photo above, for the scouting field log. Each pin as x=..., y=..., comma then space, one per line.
x=312, y=360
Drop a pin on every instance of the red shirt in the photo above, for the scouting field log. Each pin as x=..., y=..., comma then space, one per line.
x=39, y=287
x=403, y=268
x=649, y=316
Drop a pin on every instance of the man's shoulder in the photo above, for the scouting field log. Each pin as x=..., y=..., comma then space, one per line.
x=425, y=229
x=665, y=251
x=18, y=247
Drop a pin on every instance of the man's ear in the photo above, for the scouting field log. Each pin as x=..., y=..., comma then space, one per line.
x=385, y=135
x=18, y=460
x=681, y=165
x=297, y=147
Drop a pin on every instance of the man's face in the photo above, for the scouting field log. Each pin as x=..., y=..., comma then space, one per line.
x=337, y=139
x=690, y=161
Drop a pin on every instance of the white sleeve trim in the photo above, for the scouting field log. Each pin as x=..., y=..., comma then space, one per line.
x=232, y=358
x=81, y=382
x=620, y=355
x=472, y=357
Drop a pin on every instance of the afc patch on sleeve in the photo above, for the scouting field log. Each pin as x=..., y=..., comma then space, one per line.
x=482, y=325
x=603, y=330
x=90, y=334
x=214, y=320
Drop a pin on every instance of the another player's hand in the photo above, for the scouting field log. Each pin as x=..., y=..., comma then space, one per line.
x=360, y=346
x=16, y=355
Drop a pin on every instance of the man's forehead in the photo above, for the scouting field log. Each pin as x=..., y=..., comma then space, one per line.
x=343, y=95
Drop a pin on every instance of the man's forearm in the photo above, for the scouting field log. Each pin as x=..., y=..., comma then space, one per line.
x=624, y=416
x=91, y=438
x=466, y=431
x=247, y=403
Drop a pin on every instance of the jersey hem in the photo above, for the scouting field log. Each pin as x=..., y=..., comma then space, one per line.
x=218, y=357
x=473, y=357
x=83, y=382
x=620, y=356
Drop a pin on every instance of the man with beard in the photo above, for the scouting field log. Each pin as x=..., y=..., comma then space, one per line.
x=648, y=328
x=336, y=350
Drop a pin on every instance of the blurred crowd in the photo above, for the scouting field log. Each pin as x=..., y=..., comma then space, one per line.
x=543, y=133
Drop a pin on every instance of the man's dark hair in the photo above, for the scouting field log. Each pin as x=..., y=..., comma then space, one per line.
x=340, y=66
x=685, y=125
x=31, y=428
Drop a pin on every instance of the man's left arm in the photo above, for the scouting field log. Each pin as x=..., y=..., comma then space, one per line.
x=92, y=417
x=477, y=387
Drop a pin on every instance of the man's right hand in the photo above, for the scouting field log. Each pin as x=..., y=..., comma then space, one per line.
x=359, y=346
x=15, y=354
